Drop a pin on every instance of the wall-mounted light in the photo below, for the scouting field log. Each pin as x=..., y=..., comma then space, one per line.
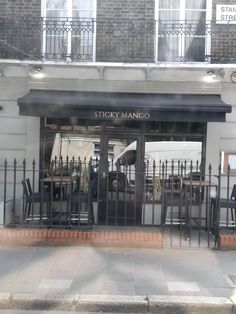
x=37, y=72
x=233, y=77
x=211, y=76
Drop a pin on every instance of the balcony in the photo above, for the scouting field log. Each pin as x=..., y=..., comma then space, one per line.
x=132, y=41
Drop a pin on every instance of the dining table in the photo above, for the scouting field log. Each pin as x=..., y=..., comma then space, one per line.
x=60, y=179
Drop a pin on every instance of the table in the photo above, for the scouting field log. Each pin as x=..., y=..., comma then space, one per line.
x=61, y=180
x=58, y=179
x=199, y=183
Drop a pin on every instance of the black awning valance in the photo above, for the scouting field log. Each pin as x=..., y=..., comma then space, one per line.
x=123, y=106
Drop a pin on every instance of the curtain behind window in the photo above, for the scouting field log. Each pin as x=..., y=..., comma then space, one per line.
x=62, y=8
x=56, y=8
x=181, y=33
x=69, y=29
x=83, y=8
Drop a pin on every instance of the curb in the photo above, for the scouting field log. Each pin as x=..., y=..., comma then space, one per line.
x=79, y=303
x=190, y=304
x=120, y=303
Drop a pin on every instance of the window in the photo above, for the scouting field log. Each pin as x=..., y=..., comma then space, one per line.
x=110, y=152
x=97, y=148
x=96, y=151
x=228, y=162
x=69, y=29
x=183, y=30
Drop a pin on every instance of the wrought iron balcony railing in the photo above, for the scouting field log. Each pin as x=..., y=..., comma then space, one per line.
x=75, y=39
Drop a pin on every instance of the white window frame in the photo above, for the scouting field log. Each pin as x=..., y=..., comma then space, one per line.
x=69, y=37
x=182, y=38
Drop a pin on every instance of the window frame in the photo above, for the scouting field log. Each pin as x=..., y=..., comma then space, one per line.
x=181, y=44
x=226, y=160
x=69, y=17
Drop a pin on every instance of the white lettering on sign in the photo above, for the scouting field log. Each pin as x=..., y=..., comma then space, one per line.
x=226, y=14
x=122, y=115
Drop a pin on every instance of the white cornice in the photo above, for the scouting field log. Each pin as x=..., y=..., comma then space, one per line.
x=127, y=86
x=117, y=64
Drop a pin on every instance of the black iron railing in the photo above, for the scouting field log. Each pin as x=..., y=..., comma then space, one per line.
x=182, y=199
x=76, y=39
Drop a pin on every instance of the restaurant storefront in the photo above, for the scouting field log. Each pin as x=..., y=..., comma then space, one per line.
x=113, y=122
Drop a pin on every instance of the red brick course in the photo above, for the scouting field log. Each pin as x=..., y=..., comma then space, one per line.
x=227, y=242
x=91, y=237
x=136, y=239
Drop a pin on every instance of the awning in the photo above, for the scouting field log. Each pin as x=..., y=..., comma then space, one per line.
x=123, y=106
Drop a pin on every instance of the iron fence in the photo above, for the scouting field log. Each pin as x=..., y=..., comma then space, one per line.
x=120, y=40
x=189, y=205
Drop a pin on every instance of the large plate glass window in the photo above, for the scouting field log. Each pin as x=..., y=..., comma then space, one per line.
x=183, y=29
x=69, y=29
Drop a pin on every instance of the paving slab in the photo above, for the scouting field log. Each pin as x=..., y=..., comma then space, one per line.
x=64, y=272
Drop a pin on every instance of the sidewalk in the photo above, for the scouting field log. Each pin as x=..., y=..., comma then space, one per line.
x=116, y=279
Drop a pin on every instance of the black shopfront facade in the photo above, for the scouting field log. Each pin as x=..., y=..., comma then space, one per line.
x=123, y=117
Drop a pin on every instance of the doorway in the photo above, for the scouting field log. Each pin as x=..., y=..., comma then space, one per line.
x=120, y=179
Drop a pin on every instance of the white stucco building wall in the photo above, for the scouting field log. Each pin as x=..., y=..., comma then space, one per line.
x=20, y=136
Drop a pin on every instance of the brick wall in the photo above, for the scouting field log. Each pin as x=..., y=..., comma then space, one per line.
x=20, y=28
x=125, y=30
x=132, y=239
x=20, y=8
x=223, y=47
